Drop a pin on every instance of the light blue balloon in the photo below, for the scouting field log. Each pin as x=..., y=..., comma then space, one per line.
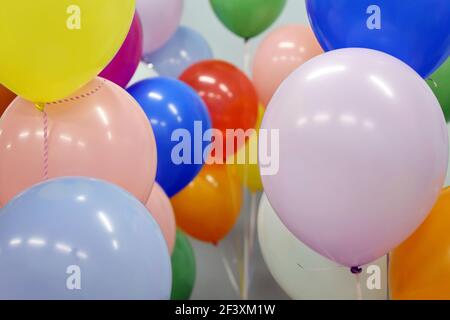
x=80, y=238
x=184, y=49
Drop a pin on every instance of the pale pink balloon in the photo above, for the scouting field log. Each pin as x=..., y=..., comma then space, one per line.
x=363, y=153
x=160, y=20
x=161, y=209
x=99, y=132
x=280, y=53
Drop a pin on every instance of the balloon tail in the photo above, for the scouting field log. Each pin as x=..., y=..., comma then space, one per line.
x=434, y=82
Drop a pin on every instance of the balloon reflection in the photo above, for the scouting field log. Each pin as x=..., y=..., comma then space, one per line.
x=87, y=223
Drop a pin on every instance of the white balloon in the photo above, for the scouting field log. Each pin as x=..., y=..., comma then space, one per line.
x=304, y=274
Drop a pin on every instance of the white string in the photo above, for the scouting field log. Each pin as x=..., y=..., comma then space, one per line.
x=229, y=271
x=359, y=295
x=247, y=57
x=321, y=269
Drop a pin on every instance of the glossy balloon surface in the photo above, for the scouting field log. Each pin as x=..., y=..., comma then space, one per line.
x=98, y=132
x=179, y=118
x=363, y=153
x=415, y=32
x=80, y=238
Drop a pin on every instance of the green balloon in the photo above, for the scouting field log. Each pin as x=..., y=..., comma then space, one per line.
x=183, y=268
x=247, y=18
x=440, y=84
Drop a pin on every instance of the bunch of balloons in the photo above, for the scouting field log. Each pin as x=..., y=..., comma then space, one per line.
x=96, y=175
x=78, y=158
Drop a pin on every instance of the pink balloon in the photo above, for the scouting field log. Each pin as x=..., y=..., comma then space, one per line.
x=122, y=68
x=160, y=20
x=99, y=132
x=161, y=209
x=281, y=52
x=363, y=153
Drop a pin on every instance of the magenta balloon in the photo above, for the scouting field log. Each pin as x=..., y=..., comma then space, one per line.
x=363, y=153
x=122, y=68
x=160, y=20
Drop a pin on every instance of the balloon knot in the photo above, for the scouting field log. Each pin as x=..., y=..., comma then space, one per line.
x=40, y=106
x=356, y=270
x=215, y=243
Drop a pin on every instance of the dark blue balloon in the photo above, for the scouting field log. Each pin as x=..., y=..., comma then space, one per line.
x=415, y=31
x=81, y=238
x=170, y=106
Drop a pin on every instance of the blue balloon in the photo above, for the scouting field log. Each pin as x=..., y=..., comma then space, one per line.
x=415, y=31
x=80, y=238
x=179, y=118
x=185, y=48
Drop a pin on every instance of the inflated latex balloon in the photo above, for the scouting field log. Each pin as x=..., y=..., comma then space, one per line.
x=230, y=97
x=160, y=20
x=98, y=132
x=183, y=268
x=246, y=159
x=6, y=97
x=81, y=239
x=122, y=68
x=356, y=176
x=185, y=48
x=208, y=208
x=52, y=48
x=303, y=274
x=419, y=267
x=281, y=52
x=161, y=209
x=416, y=31
x=179, y=118
x=248, y=18
x=440, y=84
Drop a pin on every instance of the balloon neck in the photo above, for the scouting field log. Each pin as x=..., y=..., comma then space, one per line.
x=40, y=106
x=215, y=243
x=356, y=270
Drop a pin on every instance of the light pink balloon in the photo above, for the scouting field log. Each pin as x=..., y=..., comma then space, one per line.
x=281, y=52
x=161, y=209
x=99, y=132
x=160, y=20
x=363, y=153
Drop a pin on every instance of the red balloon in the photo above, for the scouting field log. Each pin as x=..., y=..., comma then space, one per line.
x=229, y=94
x=6, y=97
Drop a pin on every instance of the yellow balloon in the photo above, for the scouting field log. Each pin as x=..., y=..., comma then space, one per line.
x=51, y=48
x=249, y=172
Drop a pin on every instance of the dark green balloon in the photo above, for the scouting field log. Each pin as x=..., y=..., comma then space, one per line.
x=183, y=268
x=440, y=84
x=247, y=18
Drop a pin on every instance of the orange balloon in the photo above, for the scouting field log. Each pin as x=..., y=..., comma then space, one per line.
x=208, y=208
x=228, y=93
x=6, y=97
x=420, y=267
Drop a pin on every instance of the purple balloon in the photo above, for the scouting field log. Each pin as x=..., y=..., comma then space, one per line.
x=122, y=68
x=363, y=153
x=160, y=20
